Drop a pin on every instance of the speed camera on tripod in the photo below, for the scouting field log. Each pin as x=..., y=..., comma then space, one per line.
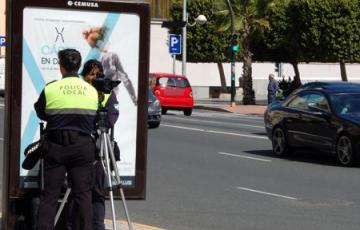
x=104, y=84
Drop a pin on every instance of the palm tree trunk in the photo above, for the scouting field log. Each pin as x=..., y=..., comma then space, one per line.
x=297, y=81
x=249, y=94
x=343, y=71
x=222, y=76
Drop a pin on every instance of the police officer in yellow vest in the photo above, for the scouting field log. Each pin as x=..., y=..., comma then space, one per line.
x=69, y=107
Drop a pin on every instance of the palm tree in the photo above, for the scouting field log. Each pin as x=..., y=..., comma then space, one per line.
x=249, y=16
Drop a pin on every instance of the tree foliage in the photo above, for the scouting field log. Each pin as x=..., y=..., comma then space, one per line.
x=311, y=30
x=331, y=29
x=205, y=43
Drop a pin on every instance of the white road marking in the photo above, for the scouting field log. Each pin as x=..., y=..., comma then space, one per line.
x=226, y=114
x=181, y=127
x=217, y=132
x=246, y=157
x=266, y=193
x=217, y=122
x=237, y=134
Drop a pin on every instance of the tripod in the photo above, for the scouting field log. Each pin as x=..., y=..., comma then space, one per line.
x=107, y=159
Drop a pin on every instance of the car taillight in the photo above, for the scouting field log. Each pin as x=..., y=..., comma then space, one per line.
x=157, y=92
x=190, y=94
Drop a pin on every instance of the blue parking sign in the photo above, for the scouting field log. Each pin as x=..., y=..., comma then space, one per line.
x=174, y=43
x=2, y=41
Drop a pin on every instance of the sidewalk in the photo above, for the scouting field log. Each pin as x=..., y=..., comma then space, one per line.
x=222, y=105
x=123, y=225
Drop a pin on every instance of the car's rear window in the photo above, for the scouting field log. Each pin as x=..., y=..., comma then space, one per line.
x=177, y=82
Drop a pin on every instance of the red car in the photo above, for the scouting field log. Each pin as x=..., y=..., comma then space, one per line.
x=173, y=91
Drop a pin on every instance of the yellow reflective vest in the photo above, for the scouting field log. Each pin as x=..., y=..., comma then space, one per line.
x=70, y=104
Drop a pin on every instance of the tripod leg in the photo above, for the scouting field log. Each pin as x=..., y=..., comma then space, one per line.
x=35, y=204
x=117, y=174
x=125, y=208
x=42, y=186
x=68, y=190
x=108, y=172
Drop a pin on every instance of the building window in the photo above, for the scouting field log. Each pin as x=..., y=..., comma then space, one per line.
x=160, y=9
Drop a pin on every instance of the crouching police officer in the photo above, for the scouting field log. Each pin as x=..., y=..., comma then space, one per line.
x=69, y=107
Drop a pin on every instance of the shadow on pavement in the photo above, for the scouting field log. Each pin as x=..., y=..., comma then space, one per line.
x=306, y=156
x=260, y=134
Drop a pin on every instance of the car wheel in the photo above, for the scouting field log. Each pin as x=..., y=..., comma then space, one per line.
x=187, y=112
x=280, y=145
x=163, y=111
x=345, y=151
x=154, y=125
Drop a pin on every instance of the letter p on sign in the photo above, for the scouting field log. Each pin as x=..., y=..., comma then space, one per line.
x=174, y=44
x=2, y=41
x=174, y=41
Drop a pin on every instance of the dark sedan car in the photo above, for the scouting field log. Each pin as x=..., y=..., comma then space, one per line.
x=154, y=110
x=326, y=117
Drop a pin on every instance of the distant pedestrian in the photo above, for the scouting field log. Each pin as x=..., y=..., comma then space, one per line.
x=273, y=87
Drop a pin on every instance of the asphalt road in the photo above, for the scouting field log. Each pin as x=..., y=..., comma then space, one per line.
x=215, y=170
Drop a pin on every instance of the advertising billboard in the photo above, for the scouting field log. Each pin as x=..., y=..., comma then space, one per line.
x=116, y=33
x=112, y=38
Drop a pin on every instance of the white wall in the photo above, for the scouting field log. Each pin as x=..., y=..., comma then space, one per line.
x=199, y=74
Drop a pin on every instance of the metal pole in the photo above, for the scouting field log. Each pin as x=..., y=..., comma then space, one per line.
x=232, y=102
x=117, y=176
x=174, y=63
x=280, y=70
x=107, y=160
x=62, y=205
x=185, y=19
x=233, y=91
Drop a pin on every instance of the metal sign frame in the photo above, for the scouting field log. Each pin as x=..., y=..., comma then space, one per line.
x=12, y=192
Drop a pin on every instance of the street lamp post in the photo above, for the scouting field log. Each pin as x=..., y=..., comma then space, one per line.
x=201, y=19
x=185, y=19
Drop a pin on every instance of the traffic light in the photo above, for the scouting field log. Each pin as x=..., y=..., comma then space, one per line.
x=235, y=42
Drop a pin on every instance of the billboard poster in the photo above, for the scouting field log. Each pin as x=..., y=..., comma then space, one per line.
x=112, y=38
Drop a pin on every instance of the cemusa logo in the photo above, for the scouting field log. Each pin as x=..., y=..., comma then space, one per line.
x=83, y=4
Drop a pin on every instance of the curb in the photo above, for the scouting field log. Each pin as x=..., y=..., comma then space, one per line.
x=122, y=224
x=227, y=110
x=204, y=107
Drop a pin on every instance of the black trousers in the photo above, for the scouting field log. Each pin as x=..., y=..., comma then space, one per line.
x=75, y=158
x=98, y=201
x=98, y=197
